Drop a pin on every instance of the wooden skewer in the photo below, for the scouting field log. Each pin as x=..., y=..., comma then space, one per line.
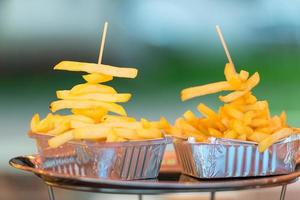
x=102, y=43
x=224, y=44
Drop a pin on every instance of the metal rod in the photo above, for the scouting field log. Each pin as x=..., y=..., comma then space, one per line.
x=282, y=194
x=140, y=196
x=213, y=195
x=50, y=193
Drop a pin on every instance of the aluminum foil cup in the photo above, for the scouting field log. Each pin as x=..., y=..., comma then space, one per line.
x=224, y=158
x=115, y=160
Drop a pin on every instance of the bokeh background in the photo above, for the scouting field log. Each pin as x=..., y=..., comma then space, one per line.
x=173, y=44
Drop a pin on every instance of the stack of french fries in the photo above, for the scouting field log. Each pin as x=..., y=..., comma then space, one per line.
x=242, y=116
x=91, y=104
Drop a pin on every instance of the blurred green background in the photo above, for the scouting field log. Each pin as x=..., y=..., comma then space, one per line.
x=173, y=44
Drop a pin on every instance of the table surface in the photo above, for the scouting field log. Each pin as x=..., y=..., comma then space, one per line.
x=166, y=182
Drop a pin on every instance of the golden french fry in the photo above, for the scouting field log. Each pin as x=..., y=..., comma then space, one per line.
x=92, y=132
x=283, y=118
x=46, y=124
x=241, y=129
x=60, y=139
x=190, y=117
x=87, y=104
x=275, y=137
x=258, y=136
x=258, y=106
x=149, y=133
x=248, y=116
x=61, y=127
x=145, y=123
x=259, y=122
x=275, y=123
x=208, y=112
x=95, y=113
x=112, y=137
x=244, y=75
x=232, y=96
x=66, y=94
x=97, y=78
x=229, y=71
x=250, y=99
x=81, y=118
x=87, y=88
x=253, y=81
x=128, y=125
x=130, y=134
x=215, y=133
x=233, y=112
x=266, y=130
x=204, y=90
x=115, y=118
x=78, y=124
x=230, y=134
x=97, y=68
x=165, y=125
x=34, y=123
x=242, y=137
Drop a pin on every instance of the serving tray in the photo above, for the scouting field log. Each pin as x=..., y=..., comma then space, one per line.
x=167, y=181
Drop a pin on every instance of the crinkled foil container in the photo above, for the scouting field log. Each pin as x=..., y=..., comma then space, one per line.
x=225, y=158
x=128, y=160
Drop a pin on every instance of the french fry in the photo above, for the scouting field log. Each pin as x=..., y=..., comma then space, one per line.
x=45, y=125
x=215, y=133
x=61, y=127
x=34, y=123
x=232, y=96
x=230, y=134
x=81, y=118
x=243, y=75
x=95, y=113
x=283, y=118
x=253, y=81
x=208, y=112
x=233, y=112
x=259, y=122
x=241, y=129
x=112, y=137
x=229, y=71
x=250, y=99
x=128, y=125
x=87, y=88
x=204, y=90
x=258, y=136
x=60, y=139
x=86, y=104
x=97, y=78
x=66, y=94
x=275, y=137
x=149, y=133
x=92, y=132
x=78, y=124
x=258, y=106
x=115, y=118
x=126, y=133
x=97, y=68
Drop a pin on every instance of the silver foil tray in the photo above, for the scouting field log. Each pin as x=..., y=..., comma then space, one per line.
x=222, y=158
x=116, y=160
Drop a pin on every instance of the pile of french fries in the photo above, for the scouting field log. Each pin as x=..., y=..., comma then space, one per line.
x=90, y=105
x=242, y=116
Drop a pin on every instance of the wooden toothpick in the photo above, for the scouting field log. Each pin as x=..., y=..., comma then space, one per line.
x=224, y=45
x=102, y=43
